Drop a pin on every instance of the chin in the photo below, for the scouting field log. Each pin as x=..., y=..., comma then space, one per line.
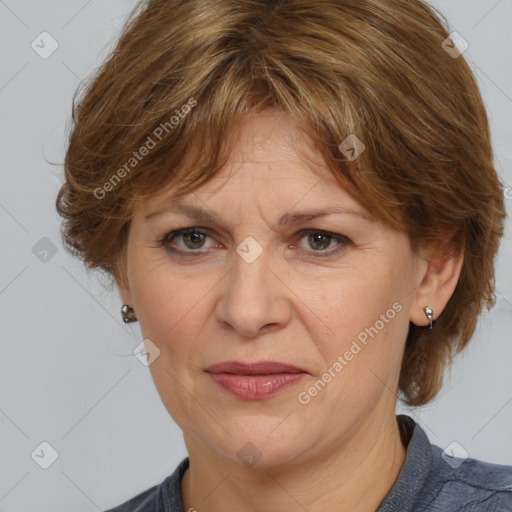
x=254, y=448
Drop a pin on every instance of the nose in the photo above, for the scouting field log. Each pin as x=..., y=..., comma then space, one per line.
x=254, y=299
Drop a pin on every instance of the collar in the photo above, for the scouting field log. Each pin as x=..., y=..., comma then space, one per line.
x=413, y=475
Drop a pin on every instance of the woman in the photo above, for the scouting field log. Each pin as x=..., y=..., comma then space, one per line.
x=297, y=201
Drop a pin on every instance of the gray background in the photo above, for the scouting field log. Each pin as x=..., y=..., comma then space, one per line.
x=66, y=375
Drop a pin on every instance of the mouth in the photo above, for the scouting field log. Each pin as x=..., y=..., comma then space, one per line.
x=255, y=381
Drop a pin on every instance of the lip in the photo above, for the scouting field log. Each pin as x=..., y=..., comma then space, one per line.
x=257, y=380
x=254, y=368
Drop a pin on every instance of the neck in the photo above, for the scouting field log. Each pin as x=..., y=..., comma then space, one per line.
x=355, y=476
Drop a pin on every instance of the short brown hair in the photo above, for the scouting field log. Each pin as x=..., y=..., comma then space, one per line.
x=376, y=69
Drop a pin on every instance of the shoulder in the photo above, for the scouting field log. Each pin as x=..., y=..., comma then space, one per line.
x=433, y=481
x=470, y=484
x=163, y=497
x=143, y=502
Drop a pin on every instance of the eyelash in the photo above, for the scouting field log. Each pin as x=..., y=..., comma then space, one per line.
x=164, y=242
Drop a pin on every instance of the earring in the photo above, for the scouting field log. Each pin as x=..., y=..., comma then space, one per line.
x=128, y=314
x=430, y=314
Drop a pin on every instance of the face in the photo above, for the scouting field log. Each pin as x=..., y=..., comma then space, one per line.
x=331, y=295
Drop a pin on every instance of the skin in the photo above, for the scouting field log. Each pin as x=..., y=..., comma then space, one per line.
x=342, y=450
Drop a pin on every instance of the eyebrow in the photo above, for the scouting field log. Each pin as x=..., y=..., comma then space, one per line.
x=289, y=218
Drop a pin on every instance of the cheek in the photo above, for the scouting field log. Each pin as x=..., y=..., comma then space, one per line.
x=359, y=313
x=346, y=302
x=359, y=332
x=173, y=312
x=169, y=305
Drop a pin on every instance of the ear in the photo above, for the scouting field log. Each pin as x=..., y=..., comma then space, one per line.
x=121, y=278
x=126, y=295
x=438, y=282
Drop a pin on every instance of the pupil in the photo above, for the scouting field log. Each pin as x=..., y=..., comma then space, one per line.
x=195, y=237
x=317, y=238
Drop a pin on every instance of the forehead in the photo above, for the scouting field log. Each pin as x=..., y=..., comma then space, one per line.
x=269, y=136
x=267, y=151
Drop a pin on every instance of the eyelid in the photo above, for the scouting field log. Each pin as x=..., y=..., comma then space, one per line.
x=176, y=233
x=343, y=241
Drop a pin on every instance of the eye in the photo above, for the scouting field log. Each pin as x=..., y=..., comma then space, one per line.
x=193, y=239
x=319, y=241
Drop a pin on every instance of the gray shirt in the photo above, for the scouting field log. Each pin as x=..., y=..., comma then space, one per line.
x=429, y=481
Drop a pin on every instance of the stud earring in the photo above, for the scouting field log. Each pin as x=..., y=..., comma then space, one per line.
x=128, y=314
x=430, y=314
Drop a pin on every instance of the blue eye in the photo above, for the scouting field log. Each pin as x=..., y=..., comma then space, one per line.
x=194, y=239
